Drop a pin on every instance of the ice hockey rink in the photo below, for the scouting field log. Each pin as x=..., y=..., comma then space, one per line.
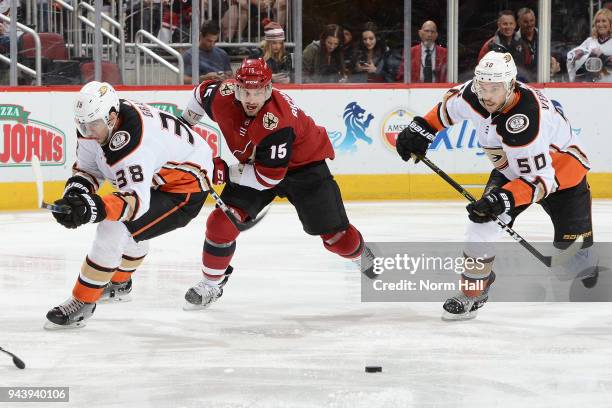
x=290, y=329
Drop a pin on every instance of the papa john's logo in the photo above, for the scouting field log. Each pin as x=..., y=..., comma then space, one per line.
x=394, y=122
x=24, y=137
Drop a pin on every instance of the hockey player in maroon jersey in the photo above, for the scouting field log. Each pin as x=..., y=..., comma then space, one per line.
x=281, y=152
x=536, y=158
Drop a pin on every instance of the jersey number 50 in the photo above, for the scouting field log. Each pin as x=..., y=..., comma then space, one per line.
x=539, y=162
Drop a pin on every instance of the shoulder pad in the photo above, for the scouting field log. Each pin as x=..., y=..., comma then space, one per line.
x=127, y=137
x=469, y=95
x=521, y=124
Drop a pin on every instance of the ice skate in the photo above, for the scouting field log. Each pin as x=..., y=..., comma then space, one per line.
x=69, y=315
x=204, y=293
x=117, y=292
x=366, y=262
x=463, y=307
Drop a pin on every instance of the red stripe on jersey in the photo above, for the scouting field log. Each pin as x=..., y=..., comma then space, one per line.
x=269, y=176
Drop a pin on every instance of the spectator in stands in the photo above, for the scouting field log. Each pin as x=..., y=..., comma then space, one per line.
x=505, y=38
x=348, y=46
x=322, y=60
x=528, y=37
x=592, y=60
x=527, y=58
x=236, y=18
x=428, y=62
x=274, y=53
x=177, y=14
x=367, y=63
x=214, y=62
x=5, y=38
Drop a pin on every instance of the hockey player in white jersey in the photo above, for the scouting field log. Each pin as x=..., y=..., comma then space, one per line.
x=536, y=159
x=157, y=164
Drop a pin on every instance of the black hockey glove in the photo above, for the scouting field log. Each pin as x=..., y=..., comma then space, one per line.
x=77, y=185
x=498, y=201
x=84, y=208
x=415, y=139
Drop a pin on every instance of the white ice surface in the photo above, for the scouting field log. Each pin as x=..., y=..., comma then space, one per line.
x=290, y=330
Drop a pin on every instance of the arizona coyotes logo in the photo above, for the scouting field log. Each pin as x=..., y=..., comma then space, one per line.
x=226, y=89
x=270, y=121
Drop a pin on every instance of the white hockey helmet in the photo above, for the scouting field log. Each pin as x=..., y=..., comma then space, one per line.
x=94, y=103
x=496, y=67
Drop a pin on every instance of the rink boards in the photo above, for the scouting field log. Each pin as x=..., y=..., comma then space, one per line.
x=362, y=123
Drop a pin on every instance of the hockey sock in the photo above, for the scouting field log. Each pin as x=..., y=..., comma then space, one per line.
x=127, y=267
x=91, y=282
x=219, y=245
x=477, y=275
x=347, y=243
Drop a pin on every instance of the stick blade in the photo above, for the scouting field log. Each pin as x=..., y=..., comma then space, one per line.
x=243, y=226
x=38, y=179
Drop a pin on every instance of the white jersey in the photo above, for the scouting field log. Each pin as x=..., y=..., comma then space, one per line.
x=150, y=149
x=590, y=61
x=530, y=141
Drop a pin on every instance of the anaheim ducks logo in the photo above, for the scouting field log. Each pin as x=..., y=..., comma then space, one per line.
x=270, y=121
x=103, y=90
x=226, y=89
x=517, y=123
x=119, y=139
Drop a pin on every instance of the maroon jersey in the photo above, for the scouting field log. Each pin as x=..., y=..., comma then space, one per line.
x=281, y=137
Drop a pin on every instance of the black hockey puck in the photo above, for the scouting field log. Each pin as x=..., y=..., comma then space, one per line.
x=373, y=369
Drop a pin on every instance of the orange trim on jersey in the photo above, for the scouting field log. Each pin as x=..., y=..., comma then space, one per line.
x=179, y=181
x=517, y=98
x=521, y=191
x=432, y=118
x=568, y=170
x=114, y=206
x=161, y=217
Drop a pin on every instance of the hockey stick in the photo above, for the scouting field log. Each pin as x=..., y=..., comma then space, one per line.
x=16, y=360
x=553, y=260
x=38, y=178
x=241, y=226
